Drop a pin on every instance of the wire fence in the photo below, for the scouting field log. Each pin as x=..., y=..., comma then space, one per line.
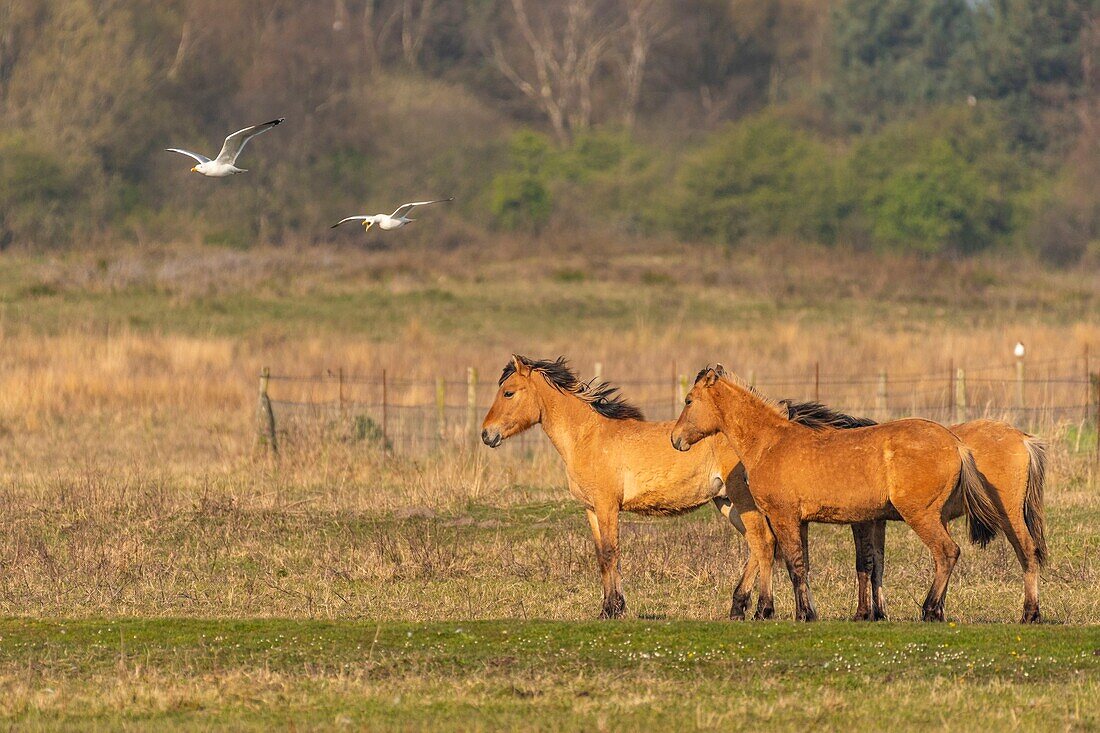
x=418, y=416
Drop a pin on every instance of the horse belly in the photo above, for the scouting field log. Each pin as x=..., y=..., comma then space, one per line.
x=667, y=495
x=851, y=499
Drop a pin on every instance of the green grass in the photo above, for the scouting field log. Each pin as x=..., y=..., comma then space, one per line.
x=545, y=675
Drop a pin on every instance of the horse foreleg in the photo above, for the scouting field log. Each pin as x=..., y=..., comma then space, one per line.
x=763, y=547
x=604, y=522
x=742, y=590
x=791, y=535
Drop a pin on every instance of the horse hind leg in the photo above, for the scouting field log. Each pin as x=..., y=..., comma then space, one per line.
x=1027, y=553
x=861, y=538
x=878, y=596
x=932, y=531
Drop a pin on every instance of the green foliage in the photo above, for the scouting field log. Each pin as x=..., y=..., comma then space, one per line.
x=365, y=430
x=892, y=56
x=1028, y=55
x=520, y=196
x=949, y=181
x=761, y=177
x=40, y=191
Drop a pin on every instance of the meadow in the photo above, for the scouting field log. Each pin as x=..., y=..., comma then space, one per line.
x=157, y=568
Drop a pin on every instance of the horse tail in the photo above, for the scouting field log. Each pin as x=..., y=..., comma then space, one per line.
x=981, y=514
x=1033, y=495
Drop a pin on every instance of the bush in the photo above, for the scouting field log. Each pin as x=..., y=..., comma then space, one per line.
x=758, y=178
x=949, y=181
x=520, y=197
x=39, y=192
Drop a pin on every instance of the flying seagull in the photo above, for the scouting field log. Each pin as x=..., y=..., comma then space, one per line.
x=396, y=220
x=225, y=164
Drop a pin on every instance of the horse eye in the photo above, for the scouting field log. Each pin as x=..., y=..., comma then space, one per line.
x=509, y=394
x=687, y=401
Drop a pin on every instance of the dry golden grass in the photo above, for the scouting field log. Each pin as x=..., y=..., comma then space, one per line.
x=132, y=484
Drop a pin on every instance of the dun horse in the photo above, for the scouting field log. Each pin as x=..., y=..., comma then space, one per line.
x=616, y=461
x=911, y=469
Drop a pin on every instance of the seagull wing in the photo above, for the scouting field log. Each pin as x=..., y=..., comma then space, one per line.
x=235, y=143
x=196, y=156
x=406, y=208
x=350, y=218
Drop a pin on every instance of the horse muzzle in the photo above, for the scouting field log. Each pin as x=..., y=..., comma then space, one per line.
x=492, y=439
x=680, y=444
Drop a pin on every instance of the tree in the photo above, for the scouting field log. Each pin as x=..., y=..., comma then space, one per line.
x=895, y=56
x=563, y=46
x=759, y=178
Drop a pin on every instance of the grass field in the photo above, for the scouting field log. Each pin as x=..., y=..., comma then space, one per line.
x=156, y=570
x=544, y=675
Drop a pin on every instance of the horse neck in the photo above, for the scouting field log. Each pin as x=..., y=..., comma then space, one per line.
x=750, y=424
x=565, y=418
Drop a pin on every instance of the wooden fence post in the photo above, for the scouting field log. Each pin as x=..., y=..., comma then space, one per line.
x=266, y=432
x=471, y=402
x=882, y=407
x=440, y=405
x=385, y=421
x=1088, y=385
x=1020, y=384
x=960, y=396
x=952, y=388
x=1097, y=423
x=340, y=390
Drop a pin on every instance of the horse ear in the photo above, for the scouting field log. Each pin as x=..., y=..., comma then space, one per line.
x=719, y=370
x=710, y=378
x=521, y=369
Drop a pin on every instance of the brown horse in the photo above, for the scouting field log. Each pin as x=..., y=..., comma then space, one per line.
x=1013, y=468
x=912, y=469
x=616, y=461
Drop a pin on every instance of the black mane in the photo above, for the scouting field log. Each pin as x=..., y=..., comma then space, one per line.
x=819, y=417
x=604, y=398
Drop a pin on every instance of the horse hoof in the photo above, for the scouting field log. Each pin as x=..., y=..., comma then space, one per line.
x=738, y=607
x=1031, y=616
x=763, y=613
x=863, y=614
x=613, y=607
x=879, y=616
x=932, y=614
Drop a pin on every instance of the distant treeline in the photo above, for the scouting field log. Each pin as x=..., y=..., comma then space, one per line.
x=928, y=125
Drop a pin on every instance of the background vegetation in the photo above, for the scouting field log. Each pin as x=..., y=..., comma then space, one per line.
x=923, y=125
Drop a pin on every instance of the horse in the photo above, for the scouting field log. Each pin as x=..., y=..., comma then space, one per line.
x=911, y=469
x=1012, y=464
x=617, y=461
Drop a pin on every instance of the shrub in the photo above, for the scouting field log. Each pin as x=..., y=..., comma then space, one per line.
x=758, y=178
x=949, y=181
x=39, y=192
x=520, y=197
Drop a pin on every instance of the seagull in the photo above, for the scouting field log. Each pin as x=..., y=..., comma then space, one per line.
x=225, y=164
x=396, y=220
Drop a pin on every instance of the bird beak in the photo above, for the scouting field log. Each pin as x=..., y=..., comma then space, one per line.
x=194, y=169
x=367, y=225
